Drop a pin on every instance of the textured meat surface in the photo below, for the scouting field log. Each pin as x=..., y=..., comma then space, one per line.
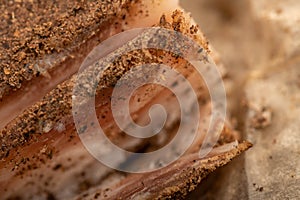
x=45, y=43
x=32, y=30
x=41, y=155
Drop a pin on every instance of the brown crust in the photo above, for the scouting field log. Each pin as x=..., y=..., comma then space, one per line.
x=31, y=30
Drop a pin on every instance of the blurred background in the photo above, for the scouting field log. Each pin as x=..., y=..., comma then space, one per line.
x=259, y=44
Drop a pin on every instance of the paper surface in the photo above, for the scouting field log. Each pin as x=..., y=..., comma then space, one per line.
x=258, y=41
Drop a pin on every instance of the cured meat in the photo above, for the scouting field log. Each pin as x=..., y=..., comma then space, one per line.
x=41, y=154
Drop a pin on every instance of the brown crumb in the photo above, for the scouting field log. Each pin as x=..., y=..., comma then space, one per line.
x=97, y=195
x=258, y=188
x=32, y=30
x=56, y=167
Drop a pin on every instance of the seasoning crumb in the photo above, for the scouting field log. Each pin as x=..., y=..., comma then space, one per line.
x=6, y=71
x=56, y=167
x=260, y=189
x=97, y=195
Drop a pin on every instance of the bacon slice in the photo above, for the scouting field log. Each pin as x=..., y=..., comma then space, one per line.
x=40, y=146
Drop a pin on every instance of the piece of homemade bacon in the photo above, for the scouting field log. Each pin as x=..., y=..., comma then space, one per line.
x=41, y=154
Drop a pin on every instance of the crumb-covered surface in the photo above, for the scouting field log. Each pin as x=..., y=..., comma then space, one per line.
x=31, y=30
x=33, y=144
x=29, y=141
x=44, y=115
